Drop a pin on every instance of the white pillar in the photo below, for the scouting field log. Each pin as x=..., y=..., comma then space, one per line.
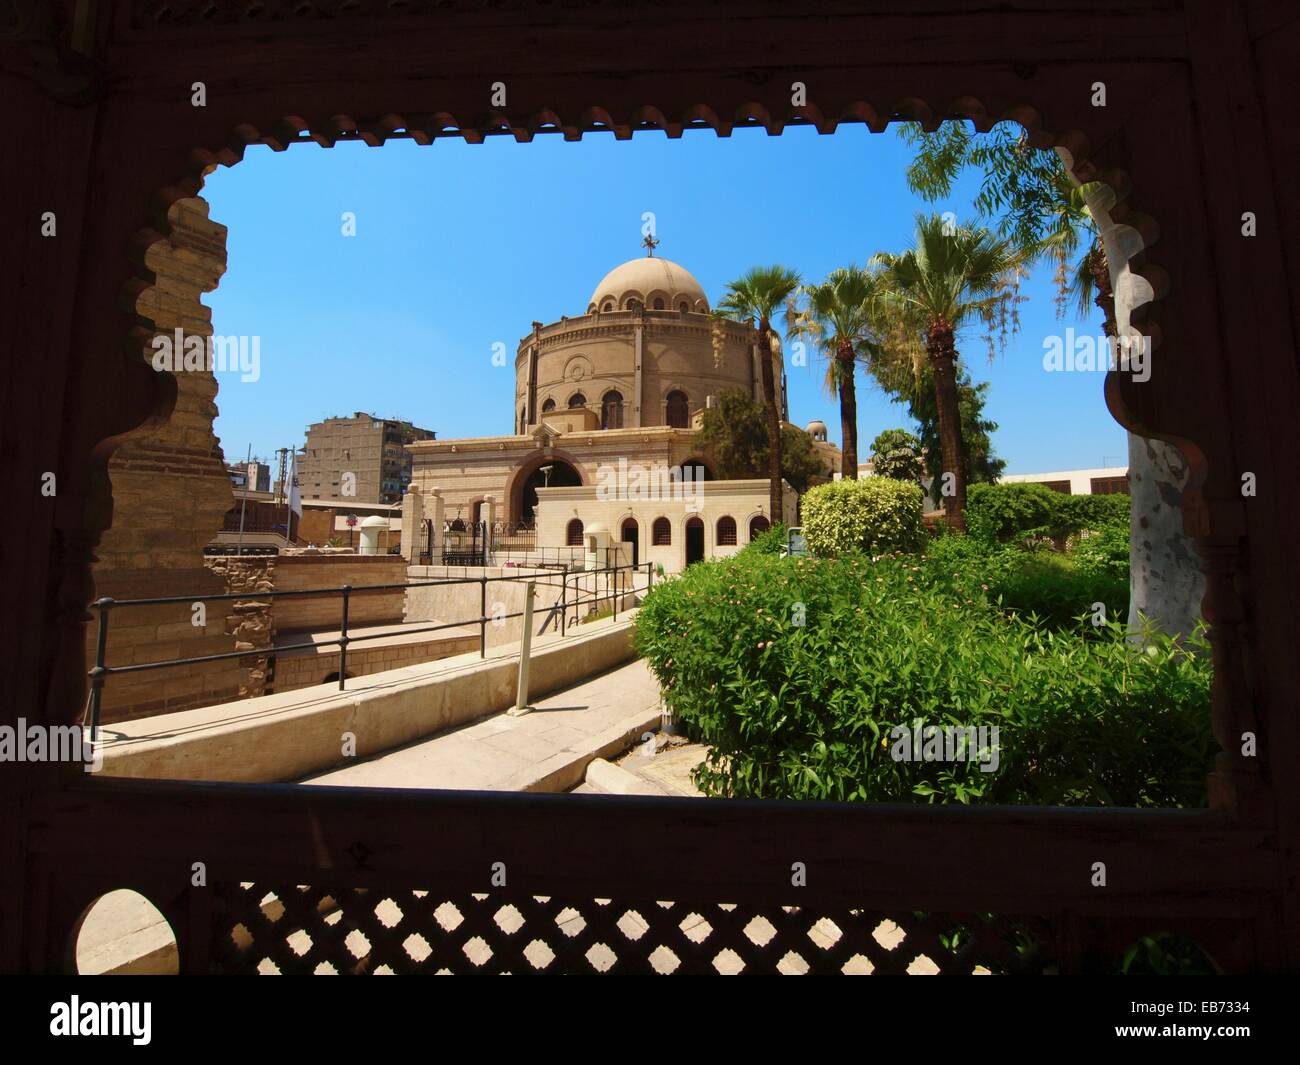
x=412, y=523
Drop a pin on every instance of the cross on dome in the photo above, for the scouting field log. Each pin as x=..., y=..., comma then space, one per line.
x=650, y=242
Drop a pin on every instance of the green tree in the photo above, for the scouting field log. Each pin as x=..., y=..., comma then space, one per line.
x=1040, y=206
x=1030, y=197
x=896, y=454
x=734, y=435
x=759, y=295
x=952, y=276
x=841, y=315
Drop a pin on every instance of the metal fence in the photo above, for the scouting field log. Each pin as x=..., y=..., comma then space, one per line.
x=565, y=579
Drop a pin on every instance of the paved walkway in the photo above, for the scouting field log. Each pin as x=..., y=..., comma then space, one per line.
x=546, y=750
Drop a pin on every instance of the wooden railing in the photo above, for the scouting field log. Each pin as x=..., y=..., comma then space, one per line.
x=379, y=879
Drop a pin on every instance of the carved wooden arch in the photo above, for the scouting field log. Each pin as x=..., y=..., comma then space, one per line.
x=150, y=393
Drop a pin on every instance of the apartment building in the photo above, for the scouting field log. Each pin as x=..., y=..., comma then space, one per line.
x=361, y=457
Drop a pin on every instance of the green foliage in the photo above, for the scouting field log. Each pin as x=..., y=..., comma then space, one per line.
x=896, y=454
x=734, y=435
x=1024, y=511
x=1050, y=590
x=1003, y=512
x=1104, y=551
x=1166, y=954
x=767, y=543
x=981, y=465
x=795, y=672
x=873, y=514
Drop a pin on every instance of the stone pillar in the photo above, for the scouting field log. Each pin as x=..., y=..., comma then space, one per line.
x=412, y=523
x=435, y=513
x=490, y=514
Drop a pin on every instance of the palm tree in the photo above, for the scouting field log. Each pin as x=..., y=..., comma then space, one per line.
x=842, y=317
x=951, y=277
x=760, y=294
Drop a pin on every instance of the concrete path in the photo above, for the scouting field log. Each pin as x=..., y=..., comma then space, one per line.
x=545, y=750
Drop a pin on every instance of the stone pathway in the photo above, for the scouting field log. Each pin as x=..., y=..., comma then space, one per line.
x=545, y=750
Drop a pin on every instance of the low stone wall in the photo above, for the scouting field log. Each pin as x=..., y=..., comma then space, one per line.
x=295, y=572
x=287, y=736
x=462, y=603
x=303, y=669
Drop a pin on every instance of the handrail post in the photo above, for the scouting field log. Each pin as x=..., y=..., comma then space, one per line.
x=482, y=616
x=525, y=653
x=99, y=673
x=564, y=597
x=343, y=638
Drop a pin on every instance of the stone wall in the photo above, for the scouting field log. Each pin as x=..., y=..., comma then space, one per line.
x=333, y=571
x=170, y=495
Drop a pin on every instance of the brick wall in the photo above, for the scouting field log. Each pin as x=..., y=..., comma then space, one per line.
x=333, y=571
x=170, y=495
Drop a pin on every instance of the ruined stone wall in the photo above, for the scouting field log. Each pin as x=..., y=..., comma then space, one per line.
x=170, y=495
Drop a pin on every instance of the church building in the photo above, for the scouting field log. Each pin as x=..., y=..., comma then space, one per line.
x=606, y=408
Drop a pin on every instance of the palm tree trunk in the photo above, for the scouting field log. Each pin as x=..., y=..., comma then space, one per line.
x=1099, y=267
x=942, y=350
x=773, y=420
x=847, y=388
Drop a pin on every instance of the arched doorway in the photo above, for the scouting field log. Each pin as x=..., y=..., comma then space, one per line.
x=694, y=540
x=631, y=533
x=696, y=470
x=548, y=473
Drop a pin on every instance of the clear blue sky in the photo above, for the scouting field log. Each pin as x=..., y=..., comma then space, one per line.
x=460, y=246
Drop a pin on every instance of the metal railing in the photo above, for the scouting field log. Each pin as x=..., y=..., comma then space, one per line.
x=615, y=589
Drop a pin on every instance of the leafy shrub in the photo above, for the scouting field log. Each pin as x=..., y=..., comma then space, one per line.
x=1052, y=590
x=1003, y=512
x=874, y=515
x=1105, y=551
x=1025, y=511
x=808, y=710
x=767, y=543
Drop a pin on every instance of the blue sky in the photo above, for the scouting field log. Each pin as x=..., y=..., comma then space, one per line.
x=459, y=247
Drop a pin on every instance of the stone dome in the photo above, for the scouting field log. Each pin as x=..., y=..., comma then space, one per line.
x=646, y=279
x=816, y=429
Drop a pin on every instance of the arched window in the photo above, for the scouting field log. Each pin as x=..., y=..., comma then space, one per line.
x=726, y=531
x=611, y=411
x=659, y=303
x=608, y=305
x=758, y=525
x=573, y=533
x=683, y=306
x=632, y=304
x=679, y=410
x=577, y=400
x=548, y=406
x=661, y=533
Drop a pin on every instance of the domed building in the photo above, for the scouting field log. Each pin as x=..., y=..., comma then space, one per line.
x=597, y=397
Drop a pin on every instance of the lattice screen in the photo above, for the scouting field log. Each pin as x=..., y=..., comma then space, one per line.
x=306, y=930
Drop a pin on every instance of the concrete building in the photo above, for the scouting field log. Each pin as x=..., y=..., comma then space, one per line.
x=250, y=476
x=362, y=458
x=1102, y=480
x=603, y=402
